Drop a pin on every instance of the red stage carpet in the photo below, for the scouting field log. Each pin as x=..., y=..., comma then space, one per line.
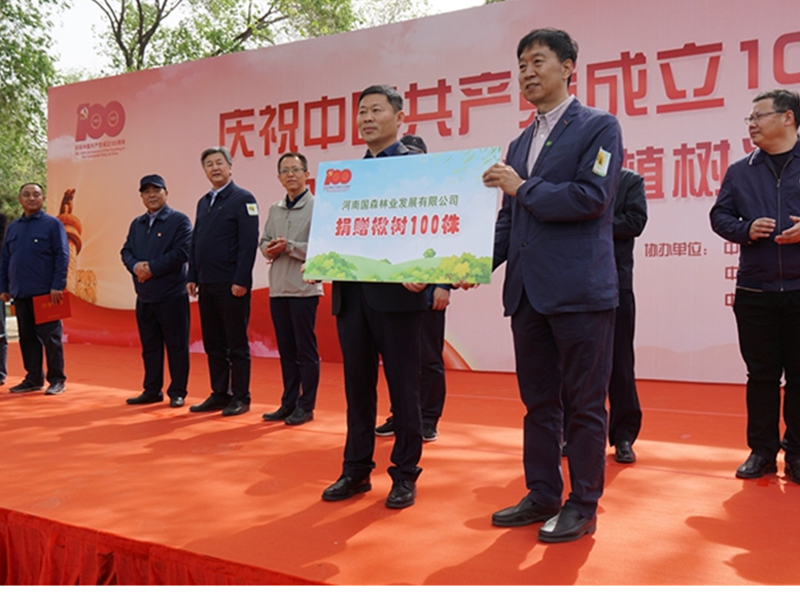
x=95, y=491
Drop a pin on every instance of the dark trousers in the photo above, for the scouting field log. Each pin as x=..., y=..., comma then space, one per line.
x=364, y=335
x=573, y=351
x=294, y=320
x=432, y=385
x=3, y=344
x=32, y=338
x=224, y=319
x=769, y=330
x=625, y=413
x=165, y=324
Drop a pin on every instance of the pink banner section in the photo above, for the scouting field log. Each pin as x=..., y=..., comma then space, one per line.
x=679, y=87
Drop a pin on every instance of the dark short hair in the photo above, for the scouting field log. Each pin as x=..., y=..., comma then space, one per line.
x=557, y=40
x=216, y=150
x=24, y=185
x=783, y=101
x=296, y=155
x=392, y=95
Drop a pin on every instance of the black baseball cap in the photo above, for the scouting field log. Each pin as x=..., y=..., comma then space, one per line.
x=415, y=142
x=156, y=180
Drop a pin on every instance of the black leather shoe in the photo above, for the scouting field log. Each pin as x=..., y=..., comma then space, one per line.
x=278, y=415
x=299, y=416
x=756, y=466
x=235, y=408
x=211, y=404
x=177, y=401
x=387, y=429
x=403, y=494
x=567, y=526
x=145, y=399
x=792, y=470
x=54, y=389
x=623, y=453
x=429, y=433
x=26, y=386
x=346, y=487
x=526, y=512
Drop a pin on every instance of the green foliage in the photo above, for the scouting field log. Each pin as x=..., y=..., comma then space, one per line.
x=451, y=269
x=429, y=253
x=26, y=71
x=141, y=34
x=330, y=266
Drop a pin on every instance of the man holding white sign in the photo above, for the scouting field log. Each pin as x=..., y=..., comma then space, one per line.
x=380, y=320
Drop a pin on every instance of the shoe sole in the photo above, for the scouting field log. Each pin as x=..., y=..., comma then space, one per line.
x=400, y=504
x=768, y=471
x=384, y=433
x=235, y=414
x=293, y=423
x=624, y=461
x=532, y=521
x=570, y=538
x=361, y=489
x=26, y=391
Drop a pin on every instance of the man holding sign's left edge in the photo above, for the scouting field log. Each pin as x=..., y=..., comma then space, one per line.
x=380, y=320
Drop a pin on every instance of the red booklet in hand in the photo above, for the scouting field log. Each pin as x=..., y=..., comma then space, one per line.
x=45, y=311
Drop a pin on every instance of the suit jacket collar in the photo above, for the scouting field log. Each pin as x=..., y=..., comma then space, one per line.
x=161, y=216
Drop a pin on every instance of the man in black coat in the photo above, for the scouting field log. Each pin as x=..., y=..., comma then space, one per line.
x=156, y=252
x=221, y=258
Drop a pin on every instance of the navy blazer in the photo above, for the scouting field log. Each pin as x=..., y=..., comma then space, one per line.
x=225, y=238
x=556, y=234
x=165, y=246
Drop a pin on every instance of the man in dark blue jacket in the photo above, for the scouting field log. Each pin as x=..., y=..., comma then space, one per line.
x=758, y=207
x=221, y=258
x=380, y=320
x=554, y=232
x=34, y=262
x=156, y=252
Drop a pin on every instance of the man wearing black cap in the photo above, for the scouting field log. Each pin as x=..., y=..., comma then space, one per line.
x=432, y=379
x=156, y=253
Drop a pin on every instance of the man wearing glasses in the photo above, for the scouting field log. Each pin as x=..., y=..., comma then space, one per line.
x=758, y=207
x=292, y=301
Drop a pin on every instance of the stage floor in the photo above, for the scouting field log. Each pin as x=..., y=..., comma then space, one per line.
x=242, y=491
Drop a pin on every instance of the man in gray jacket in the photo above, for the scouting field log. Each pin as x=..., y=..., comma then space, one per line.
x=292, y=301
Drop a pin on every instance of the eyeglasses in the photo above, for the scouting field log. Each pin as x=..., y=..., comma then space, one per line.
x=293, y=171
x=755, y=117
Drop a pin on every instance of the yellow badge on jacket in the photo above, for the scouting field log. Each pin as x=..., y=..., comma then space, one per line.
x=252, y=209
x=601, y=162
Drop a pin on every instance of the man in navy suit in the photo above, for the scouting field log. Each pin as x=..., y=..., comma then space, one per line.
x=380, y=320
x=554, y=232
x=156, y=252
x=221, y=258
